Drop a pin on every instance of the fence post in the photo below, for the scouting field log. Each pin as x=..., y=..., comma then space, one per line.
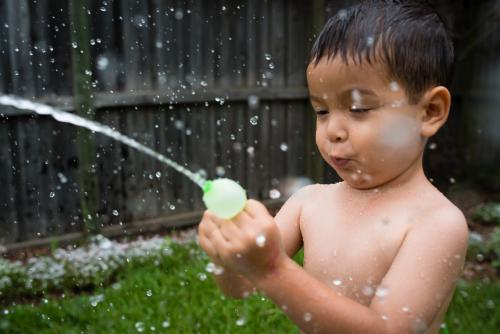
x=83, y=106
x=314, y=164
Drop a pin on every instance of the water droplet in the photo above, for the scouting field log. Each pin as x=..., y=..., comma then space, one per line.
x=103, y=9
x=203, y=83
x=171, y=207
x=74, y=45
x=394, y=86
x=337, y=282
x=251, y=151
x=159, y=44
x=370, y=40
x=274, y=194
x=102, y=62
x=62, y=177
x=406, y=309
x=452, y=180
x=223, y=8
x=432, y=146
x=165, y=323
x=480, y=257
x=139, y=326
x=179, y=125
x=307, y=316
x=261, y=240
x=52, y=194
x=149, y=293
x=115, y=212
x=94, y=300
x=254, y=120
x=202, y=276
x=158, y=174
x=381, y=291
x=253, y=101
x=241, y=321
x=179, y=14
x=271, y=66
x=367, y=290
x=268, y=56
x=220, y=171
x=284, y=147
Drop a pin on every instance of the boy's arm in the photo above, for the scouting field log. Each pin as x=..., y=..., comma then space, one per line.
x=409, y=297
x=287, y=219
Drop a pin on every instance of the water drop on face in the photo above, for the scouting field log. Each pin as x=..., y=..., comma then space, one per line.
x=261, y=240
x=241, y=321
x=394, y=86
x=307, y=316
x=254, y=120
x=284, y=147
x=274, y=194
x=337, y=282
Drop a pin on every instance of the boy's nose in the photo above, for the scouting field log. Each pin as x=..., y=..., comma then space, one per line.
x=336, y=130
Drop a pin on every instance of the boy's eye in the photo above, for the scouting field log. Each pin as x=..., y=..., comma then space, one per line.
x=321, y=112
x=356, y=109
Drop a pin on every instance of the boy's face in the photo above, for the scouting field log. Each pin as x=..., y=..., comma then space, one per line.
x=365, y=128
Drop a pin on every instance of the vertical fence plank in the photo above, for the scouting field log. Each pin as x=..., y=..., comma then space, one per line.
x=8, y=219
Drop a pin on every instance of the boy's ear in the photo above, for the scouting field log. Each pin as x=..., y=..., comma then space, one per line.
x=436, y=107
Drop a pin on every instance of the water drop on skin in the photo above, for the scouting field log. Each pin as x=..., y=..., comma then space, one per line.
x=261, y=240
x=337, y=282
x=307, y=316
x=381, y=292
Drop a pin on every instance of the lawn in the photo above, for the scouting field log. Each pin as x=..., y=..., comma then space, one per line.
x=176, y=295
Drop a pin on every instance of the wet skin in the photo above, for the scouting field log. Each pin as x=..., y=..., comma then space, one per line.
x=383, y=248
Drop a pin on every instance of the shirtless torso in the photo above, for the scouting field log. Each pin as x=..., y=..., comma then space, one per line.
x=351, y=238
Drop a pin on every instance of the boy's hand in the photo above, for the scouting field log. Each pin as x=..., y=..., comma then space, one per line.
x=250, y=243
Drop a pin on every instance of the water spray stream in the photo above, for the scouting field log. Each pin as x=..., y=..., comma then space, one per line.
x=224, y=197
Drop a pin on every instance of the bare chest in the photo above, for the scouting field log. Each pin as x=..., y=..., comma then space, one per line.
x=350, y=250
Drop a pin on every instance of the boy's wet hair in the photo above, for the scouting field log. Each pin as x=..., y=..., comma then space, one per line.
x=407, y=36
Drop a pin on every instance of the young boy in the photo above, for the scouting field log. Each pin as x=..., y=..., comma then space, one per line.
x=382, y=249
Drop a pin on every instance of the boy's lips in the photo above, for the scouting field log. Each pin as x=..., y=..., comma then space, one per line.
x=339, y=162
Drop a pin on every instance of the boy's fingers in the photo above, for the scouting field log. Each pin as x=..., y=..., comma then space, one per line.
x=256, y=209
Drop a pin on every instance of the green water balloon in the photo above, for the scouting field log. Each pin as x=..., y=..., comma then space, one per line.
x=224, y=197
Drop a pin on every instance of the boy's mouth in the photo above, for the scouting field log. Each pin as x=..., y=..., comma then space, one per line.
x=339, y=162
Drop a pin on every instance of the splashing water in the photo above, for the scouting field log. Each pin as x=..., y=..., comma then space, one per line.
x=66, y=117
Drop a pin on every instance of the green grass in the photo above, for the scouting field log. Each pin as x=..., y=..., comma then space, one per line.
x=182, y=296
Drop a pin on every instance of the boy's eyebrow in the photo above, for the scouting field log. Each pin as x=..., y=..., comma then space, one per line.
x=363, y=91
x=347, y=92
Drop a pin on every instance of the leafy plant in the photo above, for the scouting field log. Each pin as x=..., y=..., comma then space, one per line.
x=487, y=213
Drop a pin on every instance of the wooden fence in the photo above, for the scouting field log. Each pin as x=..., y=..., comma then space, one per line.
x=183, y=77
